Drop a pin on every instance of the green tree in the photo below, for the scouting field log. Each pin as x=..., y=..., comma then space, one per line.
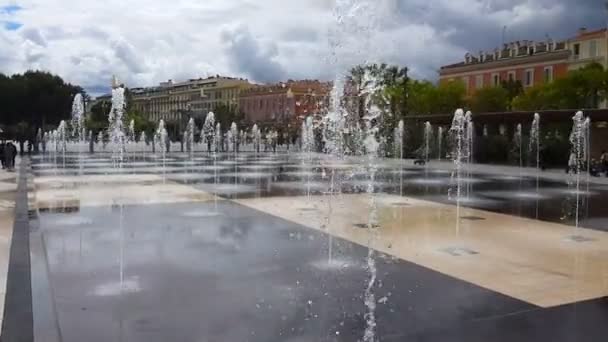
x=490, y=99
x=226, y=115
x=582, y=88
x=37, y=99
x=422, y=97
x=513, y=88
x=450, y=96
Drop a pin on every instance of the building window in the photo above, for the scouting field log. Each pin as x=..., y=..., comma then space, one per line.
x=577, y=50
x=548, y=74
x=465, y=80
x=495, y=79
x=529, y=77
x=479, y=81
x=593, y=48
x=511, y=76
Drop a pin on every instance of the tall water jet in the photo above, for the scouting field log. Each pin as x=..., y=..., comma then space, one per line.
x=61, y=140
x=428, y=136
x=372, y=92
x=131, y=135
x=100, y=139
x=161, y=138
x=256, y=137
x=234, y=134
x=579, y=152
x=459, y=136
x=208, y=132
x=398, y=144
x=518, y=145
x=439, y=142
x=218, y=137
x=307, y=147
x=190, y=137
x=116, y=130
x=470, y=136
x=45, y=141
x=142, y=142
x=398, y=139
x=78, y=128
x=534, y=145
x=91, y=141
x=534, y=150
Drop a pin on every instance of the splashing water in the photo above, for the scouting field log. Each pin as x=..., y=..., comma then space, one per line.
x=162, y=139
x=439, y=142
x=190, y=137
x=460, y=140
x=234, y=138
x=518, y=143
x=579, y=153
x=428, y=136
x=208, y=132
x=115, y=129
x=218, y=137
x=60, y=139
x=78, y=129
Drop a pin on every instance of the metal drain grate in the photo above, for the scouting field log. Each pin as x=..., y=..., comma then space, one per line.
x=400, y=204
x=472, y=218
x=365, y=225
x=307, y=209
x=580, y=238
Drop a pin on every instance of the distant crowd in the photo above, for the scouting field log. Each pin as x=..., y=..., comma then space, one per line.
x=8, y=153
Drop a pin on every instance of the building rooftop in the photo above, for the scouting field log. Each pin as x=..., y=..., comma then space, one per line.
x=293, y=85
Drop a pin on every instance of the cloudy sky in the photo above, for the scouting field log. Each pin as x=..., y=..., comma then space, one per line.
x=144, y=42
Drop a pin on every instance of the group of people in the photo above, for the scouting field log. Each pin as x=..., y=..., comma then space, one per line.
x=8, y=153
x=596, y=167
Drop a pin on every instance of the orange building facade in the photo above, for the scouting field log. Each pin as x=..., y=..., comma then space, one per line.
x=531, y=64
x=287, y=102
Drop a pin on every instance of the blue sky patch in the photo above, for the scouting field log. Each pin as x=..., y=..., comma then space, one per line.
x=10, y=9
x=11, y=25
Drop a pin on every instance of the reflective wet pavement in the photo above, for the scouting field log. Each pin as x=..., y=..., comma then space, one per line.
x=148, y=253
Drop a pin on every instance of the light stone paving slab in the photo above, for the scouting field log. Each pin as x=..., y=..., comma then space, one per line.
x=111, y=190
x=8, y=192
x=545, y=264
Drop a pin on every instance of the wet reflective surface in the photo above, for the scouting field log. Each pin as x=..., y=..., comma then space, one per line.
x=167, y=253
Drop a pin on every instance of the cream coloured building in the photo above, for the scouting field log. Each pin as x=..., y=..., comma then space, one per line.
x=588, y=47
x=170, y=100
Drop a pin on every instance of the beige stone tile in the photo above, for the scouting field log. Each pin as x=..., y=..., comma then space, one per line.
x=8, y=187
x=59, y=192
x=531, y=260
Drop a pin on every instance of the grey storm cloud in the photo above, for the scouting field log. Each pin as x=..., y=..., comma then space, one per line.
x=247, y=55
x=34, y=35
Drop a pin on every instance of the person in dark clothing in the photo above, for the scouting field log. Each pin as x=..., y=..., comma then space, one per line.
x=604, y=162
x=2, y=146
x=13, y=155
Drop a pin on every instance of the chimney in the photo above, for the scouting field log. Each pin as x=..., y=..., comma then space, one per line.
x=582, y=31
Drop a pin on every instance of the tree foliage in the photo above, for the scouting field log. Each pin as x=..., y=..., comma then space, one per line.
x=490, y=99
x=582, y=88
x=226, y=115
x=33, y=100
x=426, y=98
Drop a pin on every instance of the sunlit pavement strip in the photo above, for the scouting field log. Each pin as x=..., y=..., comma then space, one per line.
x=8, y=190
x=63, y=192
x=545, y=264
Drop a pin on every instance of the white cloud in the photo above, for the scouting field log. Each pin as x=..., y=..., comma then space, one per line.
x=144, y=42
